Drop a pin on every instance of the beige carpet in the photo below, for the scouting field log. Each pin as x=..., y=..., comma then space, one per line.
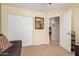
x=45, y=50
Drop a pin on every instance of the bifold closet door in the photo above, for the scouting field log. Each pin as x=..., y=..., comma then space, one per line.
x=20, y=28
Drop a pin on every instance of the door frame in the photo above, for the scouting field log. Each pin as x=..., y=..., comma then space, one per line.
x=59, y=27
x=49, y=25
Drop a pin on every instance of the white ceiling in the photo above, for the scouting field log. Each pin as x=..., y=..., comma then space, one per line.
x=42, y=7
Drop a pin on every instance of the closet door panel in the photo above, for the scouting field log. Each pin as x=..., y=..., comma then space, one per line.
x=20, y=28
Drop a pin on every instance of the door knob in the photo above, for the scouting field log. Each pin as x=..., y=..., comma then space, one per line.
x=68, y=33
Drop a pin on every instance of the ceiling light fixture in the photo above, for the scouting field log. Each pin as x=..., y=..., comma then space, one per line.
x=50, y=3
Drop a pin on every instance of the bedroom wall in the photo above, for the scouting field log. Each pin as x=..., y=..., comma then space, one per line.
x=0, y=18
x=40, y=35
x=75, y=21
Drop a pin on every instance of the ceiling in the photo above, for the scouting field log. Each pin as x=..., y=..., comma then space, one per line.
x=41, y=7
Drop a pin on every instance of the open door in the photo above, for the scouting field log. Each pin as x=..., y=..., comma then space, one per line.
x=65, y=30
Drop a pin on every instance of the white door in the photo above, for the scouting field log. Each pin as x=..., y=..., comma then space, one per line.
x=20, y=28
x=65, y=30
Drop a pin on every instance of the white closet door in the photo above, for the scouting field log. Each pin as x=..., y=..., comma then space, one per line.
x=20, y=28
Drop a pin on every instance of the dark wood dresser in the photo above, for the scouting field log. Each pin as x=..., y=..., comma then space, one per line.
x=77, y=49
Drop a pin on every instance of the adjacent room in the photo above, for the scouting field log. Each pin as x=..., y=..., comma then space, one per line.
x=39, y=29
x=54, y=30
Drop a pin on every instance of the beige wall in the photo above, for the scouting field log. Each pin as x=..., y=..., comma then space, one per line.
x=40, y=36
x=0, y=18
x=75, y=21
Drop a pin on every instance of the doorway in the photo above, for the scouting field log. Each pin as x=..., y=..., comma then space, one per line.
x=54, y=30
x=65, y=30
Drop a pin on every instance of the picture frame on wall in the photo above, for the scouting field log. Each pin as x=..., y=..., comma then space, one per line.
x=39, y=23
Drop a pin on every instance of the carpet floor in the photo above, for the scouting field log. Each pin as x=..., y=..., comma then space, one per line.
x=45, y=50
